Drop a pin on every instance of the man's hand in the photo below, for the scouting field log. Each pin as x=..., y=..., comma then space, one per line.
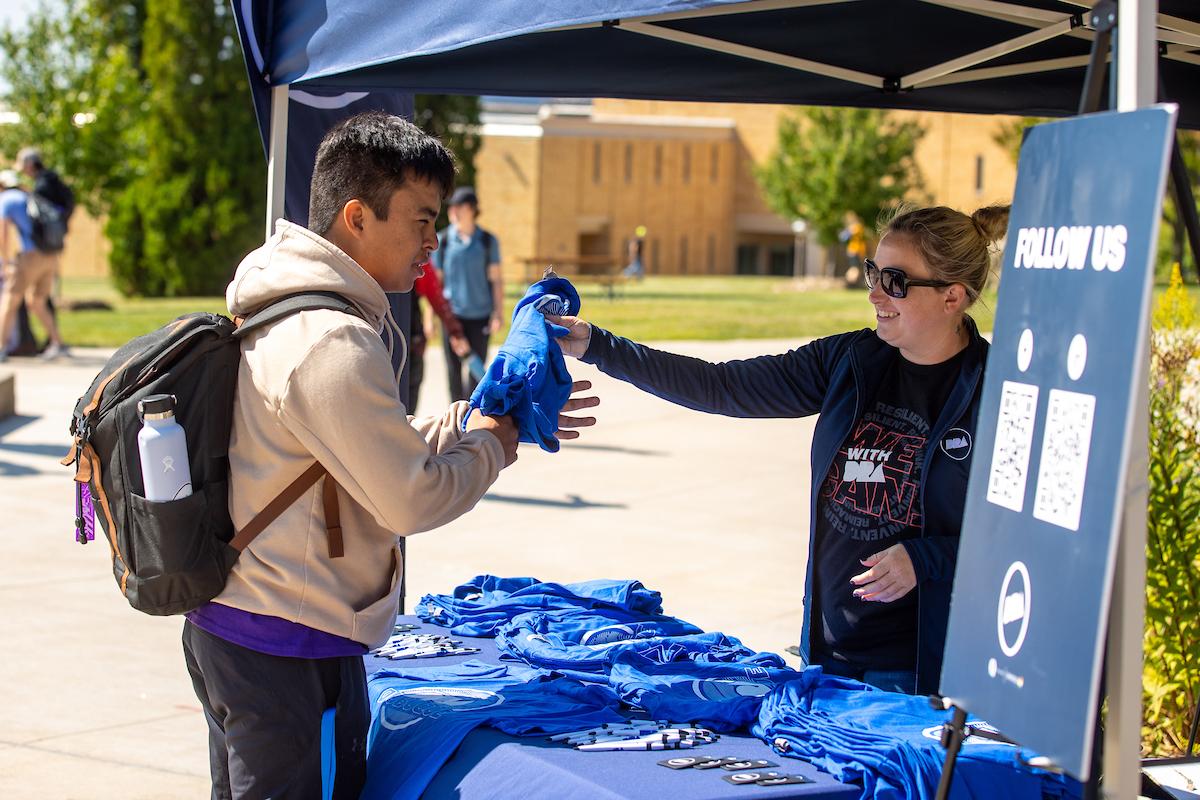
x=890, y=576
x=575, y=404
x=579, y=335
x=503, y=428
x=460, y=346
x=495, y=323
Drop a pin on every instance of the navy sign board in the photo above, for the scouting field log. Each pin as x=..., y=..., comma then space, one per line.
x=1029, y=612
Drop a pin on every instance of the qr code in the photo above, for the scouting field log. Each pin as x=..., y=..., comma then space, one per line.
x=1063, y=470
x=1014, y=439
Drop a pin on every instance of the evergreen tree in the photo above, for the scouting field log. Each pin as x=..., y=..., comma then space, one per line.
x=830, y=161
x=195, y=204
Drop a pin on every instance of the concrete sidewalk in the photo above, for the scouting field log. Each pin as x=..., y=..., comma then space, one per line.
x=712, y=512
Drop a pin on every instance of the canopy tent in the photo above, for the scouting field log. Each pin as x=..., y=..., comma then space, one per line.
x=1021, y=57
x=1026, y=57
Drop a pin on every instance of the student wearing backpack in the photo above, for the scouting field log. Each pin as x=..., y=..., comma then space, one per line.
x=283, y=642
x=28, y=272
x=468, y=261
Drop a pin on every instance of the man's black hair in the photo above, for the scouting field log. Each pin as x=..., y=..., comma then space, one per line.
x=368, y=157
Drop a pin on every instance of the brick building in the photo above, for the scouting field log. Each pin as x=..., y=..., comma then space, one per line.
x=569, y=183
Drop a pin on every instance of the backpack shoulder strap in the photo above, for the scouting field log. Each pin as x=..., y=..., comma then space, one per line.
x=291, y=494
x=294, y=303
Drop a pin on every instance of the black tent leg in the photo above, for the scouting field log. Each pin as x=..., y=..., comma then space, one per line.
x=1103, y=18
x=1185, y=205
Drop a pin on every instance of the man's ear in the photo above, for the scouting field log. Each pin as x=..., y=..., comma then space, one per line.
x=353, y=217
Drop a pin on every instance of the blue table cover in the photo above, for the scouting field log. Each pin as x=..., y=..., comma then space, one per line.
x=490, y=765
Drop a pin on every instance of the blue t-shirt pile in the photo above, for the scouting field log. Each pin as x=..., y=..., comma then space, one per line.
x=890, y=744
x=614, y=633
x=484, y=604
x=528, y=378
x=420, y=716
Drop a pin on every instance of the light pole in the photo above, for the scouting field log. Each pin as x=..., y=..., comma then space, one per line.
x=799, y=248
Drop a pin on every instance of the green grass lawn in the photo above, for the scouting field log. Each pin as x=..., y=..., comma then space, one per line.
x=656, y=309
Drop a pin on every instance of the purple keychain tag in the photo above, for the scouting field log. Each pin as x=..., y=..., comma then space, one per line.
x=85, y=520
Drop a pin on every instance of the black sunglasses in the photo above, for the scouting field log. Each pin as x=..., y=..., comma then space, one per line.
x=894, y=281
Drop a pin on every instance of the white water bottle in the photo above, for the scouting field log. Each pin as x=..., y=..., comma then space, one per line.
x=163, y=450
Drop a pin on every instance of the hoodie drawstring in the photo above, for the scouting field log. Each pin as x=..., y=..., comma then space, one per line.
x=394, y=334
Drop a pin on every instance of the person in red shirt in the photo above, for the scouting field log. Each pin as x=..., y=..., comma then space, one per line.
x=421, y=329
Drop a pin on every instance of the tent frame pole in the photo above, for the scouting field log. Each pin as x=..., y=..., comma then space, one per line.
x=277, y=157
x=1137, y=78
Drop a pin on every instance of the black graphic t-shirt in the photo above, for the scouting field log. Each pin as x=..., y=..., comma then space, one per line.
x=871, y=500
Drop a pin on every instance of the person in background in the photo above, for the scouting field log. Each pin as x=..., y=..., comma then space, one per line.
x=891, y=450
x=28, y=272
x=636, y=269
x=468, y=263
x=421, y=326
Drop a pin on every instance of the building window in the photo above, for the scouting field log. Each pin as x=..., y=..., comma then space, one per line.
x=628, y=163
x=716, y=160
x=658, y=163
x=979, y=174
x=712, y=253
x=780, y=260
x=596, y=163
x=683, y=255
x=747, y=259
x=687, y=163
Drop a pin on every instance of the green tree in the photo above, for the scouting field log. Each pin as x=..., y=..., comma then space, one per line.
x=195, y=202
x=143, y=105
x=829, y=161
x=455, y=120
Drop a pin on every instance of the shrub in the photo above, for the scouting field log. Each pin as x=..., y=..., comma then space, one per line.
x=1172, y=636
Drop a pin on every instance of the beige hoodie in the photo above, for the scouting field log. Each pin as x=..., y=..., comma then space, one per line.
x=318, y=385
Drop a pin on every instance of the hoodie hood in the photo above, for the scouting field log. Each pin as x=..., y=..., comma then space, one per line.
x=297, y=260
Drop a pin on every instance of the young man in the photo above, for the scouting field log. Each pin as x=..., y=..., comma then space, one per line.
x=28, y=273
x=469, y=264
x=284, y=641
x=48, y=185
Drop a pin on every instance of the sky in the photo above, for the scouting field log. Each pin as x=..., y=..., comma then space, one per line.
x=16, y=11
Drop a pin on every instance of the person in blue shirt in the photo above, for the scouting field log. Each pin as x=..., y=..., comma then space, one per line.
x=891, y=450
x=28, y=273
x=468, y=262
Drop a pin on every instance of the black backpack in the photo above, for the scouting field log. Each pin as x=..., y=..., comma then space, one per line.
x=171, y=557
x=49, y=223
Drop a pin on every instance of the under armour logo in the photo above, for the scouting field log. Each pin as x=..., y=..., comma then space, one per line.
x=168, y=464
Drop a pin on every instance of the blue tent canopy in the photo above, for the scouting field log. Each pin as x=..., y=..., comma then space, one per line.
x=1017, y=57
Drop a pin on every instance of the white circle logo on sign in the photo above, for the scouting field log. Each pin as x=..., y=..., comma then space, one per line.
x=1025, y=350
x=1012, y=615
x=1077, y=356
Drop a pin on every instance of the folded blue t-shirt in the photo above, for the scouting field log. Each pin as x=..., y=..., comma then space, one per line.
x=528, y=378
x=419, y=716
x=585, y=640
x=484, y=604
x=721, y=696
x=889, y=743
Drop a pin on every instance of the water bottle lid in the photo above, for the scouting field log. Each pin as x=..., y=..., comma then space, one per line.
x=156, y=406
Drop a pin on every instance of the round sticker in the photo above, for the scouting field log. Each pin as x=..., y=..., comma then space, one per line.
x=1012, y=615
x=1077, y=356
x=1025, y=350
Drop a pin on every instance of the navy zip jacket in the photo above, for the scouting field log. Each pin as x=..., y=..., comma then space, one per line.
x=832, y=376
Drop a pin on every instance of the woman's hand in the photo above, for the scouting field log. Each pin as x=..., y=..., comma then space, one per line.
x=575, y=404
x=579, y=335
x=890, y=576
